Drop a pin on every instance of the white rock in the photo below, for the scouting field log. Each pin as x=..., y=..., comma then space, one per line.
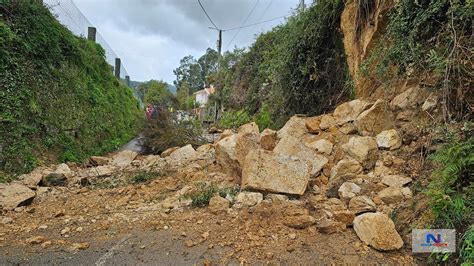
x=123, y=158
x=348, y=190
x=389, y=139
x=430, y=102
x=361, y=204
x=406, y=191
x=247, y=199
x=349, y=111
x=391, y=195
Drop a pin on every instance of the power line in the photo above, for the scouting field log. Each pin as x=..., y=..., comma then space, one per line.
x=205, y=12
x=243, y=23
x=257, y=23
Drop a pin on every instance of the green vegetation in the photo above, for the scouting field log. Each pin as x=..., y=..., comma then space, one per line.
x=452, y=193
x=431, y=40
x=58, y=97
x=298, y=67
x=204, y=192
x=143, y=177
x=157, y=93
x=167, y=132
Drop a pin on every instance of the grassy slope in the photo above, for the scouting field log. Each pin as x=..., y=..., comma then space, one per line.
x=57, y=93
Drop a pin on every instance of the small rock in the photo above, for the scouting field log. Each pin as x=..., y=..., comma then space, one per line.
x=378, y=231
x=345, y=167
x=298, y=219
x=348, y=190
x=248, y=199
x=395, y=180
x=344, y=216
x=189, y=243
x=169, y=151
x=43, y=227
x=80, y=246
x=322, y=146
x=391, y=195
x=374, y=120
x=327, y=121
x=268, y=139
x=277, y=197
x=7, y=220
x=79, y=229
x=65, y=230
x=316, y=190
x=328, y=226
x=312, y=124
x=407, y=193
x=248, y=128
x=430, y=102
x=389, y=139
x=46, y=244
x=36, y=240
x=363, y=149
x=361, y=204
x=218, y=204
x=54, y=179
x=349, y=111
x=292, y=236
x=98, y=160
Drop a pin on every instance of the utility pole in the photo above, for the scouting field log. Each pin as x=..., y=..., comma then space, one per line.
x=219, y=42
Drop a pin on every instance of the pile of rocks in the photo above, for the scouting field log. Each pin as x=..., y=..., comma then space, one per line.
x=342, y=167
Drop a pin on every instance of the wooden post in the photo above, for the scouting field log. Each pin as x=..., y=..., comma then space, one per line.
x=117, y=67
x=127, y=81
x=91, y=33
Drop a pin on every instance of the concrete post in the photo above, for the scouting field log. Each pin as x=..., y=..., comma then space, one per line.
x=91, y=33
x=117, y=67
x=127, y=81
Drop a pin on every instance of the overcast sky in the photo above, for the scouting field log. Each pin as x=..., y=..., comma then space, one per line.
x=151, y=36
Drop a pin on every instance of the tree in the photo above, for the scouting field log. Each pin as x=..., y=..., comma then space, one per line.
x=157, y=93
x=195, y=72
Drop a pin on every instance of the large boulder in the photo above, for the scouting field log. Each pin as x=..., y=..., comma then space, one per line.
x=294, y=147
x=268, y=139
x=245, y=143
x=204, y=155
x=181, y=156
x=321, y=146
x=273, y=172
x=226, y=156
x=14, y=195
x=349, y=111
x=345, y=167
x=363, y=149
x=378, y=231
x=374, y=120
x=225, y=134
x=295, y=127
x=123, y=158
x=248, y=128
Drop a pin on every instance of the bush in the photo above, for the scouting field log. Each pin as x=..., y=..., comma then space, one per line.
x=143, y=177
x=167, y=132
x=234, y=119
x=452, y=190
x=298, y=67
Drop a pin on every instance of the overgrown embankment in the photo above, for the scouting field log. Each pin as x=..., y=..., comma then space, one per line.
x=58, y=97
